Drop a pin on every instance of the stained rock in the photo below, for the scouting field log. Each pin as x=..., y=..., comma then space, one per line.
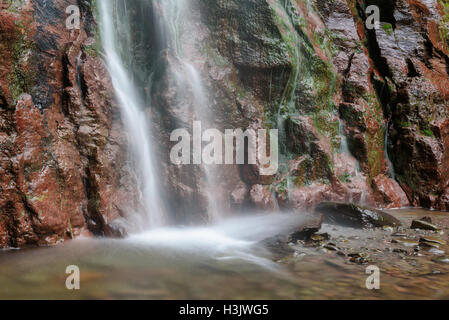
x=262, y=198
x=351, y=215
x=388, y=193
x=432, y=240
x=305, y=232
x=441, y=259
x=277, y=246
x=429, y=244
x=423, y=225
x=359, y=258
x=331, y=247
x=406, y=242
x=426, y=219
x=319, y=237
x=239, y=196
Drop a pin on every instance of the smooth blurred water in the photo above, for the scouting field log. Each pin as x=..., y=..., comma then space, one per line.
x=134, y=117
x=176, y=263
x=225, y=261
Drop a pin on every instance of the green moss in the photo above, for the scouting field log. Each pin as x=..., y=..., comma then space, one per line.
x=15, y=5
x=95, y=49
x=444, y=26
x=345, y=178
x=388, y=28
x=427, y=132
x=376, y=156
x=69, y=223
x=328, y=124
x=22, y=77
x=93, y=204
x=34, y=198
x=282, y=187
x=404, y=124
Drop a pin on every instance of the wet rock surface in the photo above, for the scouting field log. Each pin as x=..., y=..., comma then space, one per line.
x=347, y=100
x=424, y=224
x=412, y=263
x=352, y=215
x=334, y=266
x=280, y=245
x=63, y=163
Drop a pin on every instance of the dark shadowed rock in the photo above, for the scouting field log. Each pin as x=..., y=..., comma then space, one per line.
x=423, y=225
x=351, y=215
x=307, y=230
x=278, y=245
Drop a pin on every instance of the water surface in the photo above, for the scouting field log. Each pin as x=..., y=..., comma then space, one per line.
x=225, y=262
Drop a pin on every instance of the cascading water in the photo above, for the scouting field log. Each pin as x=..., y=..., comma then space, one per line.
x=168, y=20
x=171, y=19
x=390, y=164
x=133, y=114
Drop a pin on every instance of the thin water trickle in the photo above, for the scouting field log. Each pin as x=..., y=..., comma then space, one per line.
x=390, y=164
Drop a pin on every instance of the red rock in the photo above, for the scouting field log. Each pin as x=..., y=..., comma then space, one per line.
x=239, y=196
x=388, y=193
x=262, y=198
x=62, y=154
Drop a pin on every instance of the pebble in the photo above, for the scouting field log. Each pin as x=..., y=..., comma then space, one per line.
x=441, y=259
x=432, y=240
x=429, y=244
x=437, y=252
x=331, y=247
x=399, y=234
x=423, y=225
x=406, y=242
x=320, y=237
x=359, y=260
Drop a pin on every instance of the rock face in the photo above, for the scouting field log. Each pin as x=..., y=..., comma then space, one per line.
x=262, y=198
x=362, y=113
x=388, y=192
x=345, y=96
x=63, y=165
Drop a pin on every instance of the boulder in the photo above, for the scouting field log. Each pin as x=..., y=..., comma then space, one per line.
x=423, y=225
x=388, y=193
x=352, y=215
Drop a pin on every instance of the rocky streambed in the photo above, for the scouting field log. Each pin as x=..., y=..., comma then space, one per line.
x=412, y=257
x=227, y=261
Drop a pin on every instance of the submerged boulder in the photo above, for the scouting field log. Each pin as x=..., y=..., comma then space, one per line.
x=352, y=215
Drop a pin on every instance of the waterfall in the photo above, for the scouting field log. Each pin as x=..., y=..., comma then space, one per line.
x=172, y=16
x=168, y=50
x=132, y=110
x=387, y=156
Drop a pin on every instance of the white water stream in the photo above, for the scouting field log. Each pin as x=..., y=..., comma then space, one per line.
x=169, y=19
